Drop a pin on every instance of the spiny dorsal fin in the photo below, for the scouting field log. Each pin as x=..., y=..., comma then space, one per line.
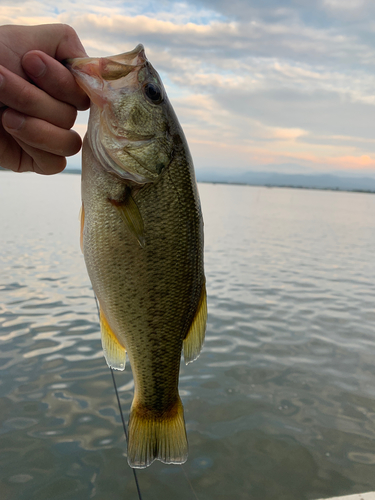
x=82, y=221
x=131, y=215
x=114, y=352
x=194, y=339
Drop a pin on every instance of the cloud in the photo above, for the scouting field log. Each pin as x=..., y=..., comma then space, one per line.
x=345, y=6
x=226, y=41
x=320, y=112
x=252, y=82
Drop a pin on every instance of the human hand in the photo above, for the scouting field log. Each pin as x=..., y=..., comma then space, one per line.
x=35, y=119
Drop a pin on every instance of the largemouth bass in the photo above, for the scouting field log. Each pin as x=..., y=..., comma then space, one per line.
x=142, y=240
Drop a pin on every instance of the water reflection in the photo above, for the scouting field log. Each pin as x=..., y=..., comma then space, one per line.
x=281, y=403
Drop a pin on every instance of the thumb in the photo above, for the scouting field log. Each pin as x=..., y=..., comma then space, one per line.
x=57, y=40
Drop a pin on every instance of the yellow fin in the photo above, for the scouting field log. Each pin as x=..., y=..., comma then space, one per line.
x=82, y=220
x=132, y=217
x=153, y=437
x=114, y=352
x=194, y=339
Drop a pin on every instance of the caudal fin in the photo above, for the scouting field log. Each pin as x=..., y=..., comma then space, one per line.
x=154, y=437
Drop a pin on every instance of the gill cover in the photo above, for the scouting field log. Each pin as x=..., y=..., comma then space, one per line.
x=128, y=129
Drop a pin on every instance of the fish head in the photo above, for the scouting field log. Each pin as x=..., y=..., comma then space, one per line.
x=129, y=125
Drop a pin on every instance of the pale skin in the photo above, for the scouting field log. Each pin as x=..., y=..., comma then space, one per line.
x=39, y=97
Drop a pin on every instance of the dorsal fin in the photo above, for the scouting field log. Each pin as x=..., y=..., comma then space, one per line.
x=194, y=339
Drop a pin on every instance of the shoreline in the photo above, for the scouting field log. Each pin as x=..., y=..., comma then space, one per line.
x=270, y=186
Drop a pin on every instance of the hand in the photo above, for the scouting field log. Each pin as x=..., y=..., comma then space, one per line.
x=36, y=118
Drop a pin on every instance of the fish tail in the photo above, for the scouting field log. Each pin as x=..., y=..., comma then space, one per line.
x=157, y=436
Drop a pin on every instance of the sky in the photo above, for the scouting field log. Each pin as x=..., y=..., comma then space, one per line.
x=264, y=85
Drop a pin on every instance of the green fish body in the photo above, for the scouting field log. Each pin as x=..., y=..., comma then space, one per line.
x=142, y=240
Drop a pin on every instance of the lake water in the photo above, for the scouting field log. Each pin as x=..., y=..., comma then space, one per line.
x=281, y=402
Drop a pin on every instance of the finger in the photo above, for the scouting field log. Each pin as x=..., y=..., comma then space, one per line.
x=18, y=156
x=25, y=97
x=40, y=162
x=54, y=78
x=59, y=41
x=40, y=134
x=9, y=149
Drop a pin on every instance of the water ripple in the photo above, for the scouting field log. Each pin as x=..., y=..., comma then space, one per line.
x=281, y=402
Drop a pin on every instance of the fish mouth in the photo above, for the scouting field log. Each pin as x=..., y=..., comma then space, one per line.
x=105, y=80
x=92, y=73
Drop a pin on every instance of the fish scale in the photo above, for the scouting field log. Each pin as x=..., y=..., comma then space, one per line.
x=142, y=239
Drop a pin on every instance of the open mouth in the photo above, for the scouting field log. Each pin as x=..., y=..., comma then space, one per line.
x=96, y=75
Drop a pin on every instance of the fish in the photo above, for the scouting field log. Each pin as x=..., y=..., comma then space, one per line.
x=142, y=241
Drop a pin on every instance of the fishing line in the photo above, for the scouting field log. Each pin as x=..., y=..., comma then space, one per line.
x=126, y=433
x=188, y=480
x=121, y=414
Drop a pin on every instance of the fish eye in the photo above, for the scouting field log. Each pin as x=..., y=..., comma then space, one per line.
x=153, y=93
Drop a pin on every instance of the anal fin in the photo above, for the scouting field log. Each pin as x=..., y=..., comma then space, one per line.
x=114, y=352
x=194, y=339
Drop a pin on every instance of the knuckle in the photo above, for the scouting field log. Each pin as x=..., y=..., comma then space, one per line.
x=68, y=32
x=73, y=116
x=25, y=95
x=48, y=163
x=64, y=143
x=68, y=117
x=75, y=143
x=56, y=166
x=84, y=103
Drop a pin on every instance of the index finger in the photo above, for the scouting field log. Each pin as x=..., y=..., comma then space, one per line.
x=59, y=41
x=54, y=78
x=22, y=96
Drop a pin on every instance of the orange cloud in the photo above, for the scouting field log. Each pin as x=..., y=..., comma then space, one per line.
x=354, y=162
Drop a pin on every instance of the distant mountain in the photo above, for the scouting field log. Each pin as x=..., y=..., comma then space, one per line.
x=309, y=181
x=276, y=179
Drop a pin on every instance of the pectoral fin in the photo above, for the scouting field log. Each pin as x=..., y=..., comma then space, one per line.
x=194, y=339
x=132, y=217
x=114, y=352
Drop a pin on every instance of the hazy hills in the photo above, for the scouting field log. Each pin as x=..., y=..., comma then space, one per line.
x=309, y=181
x=276, y=179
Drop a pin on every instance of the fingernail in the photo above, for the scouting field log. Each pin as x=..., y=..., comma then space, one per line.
x=13, y=120
x=34, y=65
x=1, y=80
